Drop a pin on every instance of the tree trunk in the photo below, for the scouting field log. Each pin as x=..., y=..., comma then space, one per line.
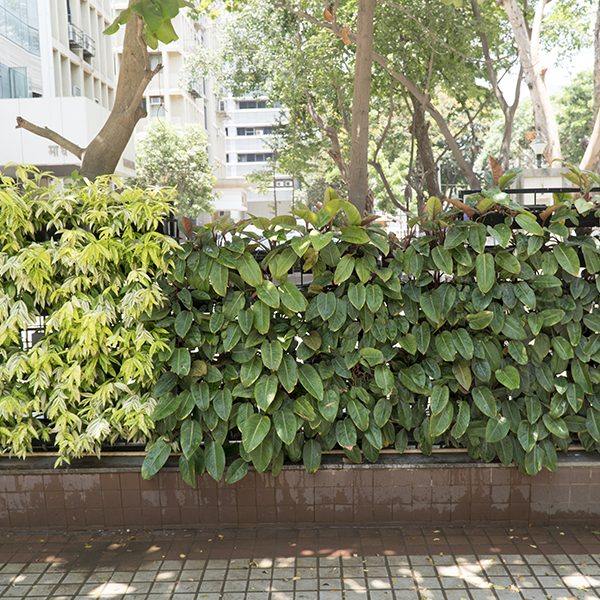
x=464, y=166
x=591, y=158
x=507, y=110
x=545, y=120
x=421, y=131
x=597, y=64
x=359, y=169
x=102, y=155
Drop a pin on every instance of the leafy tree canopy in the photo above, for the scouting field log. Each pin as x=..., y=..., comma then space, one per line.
x=172, y=156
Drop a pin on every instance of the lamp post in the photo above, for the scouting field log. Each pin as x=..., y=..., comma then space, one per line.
x=538, y=146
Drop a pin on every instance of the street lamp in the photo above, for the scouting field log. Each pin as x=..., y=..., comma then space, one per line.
x=538, y=146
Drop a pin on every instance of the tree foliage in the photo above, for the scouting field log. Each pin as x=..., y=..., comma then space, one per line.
x=449, y=340
x=482, y=333
x=173, y=156
x=80, y=261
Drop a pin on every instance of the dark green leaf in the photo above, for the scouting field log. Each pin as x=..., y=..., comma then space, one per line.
x=359, y=414
x=509, y=377
x=265, y=391
x=567, y=258
x=463, y=419
x=344, y=269
x=310, y=380
x=156, y=457
x=440, y=422
x=496, y=429
x=236, y=471
x=214, y=460
x=285, y=425
x=288, y=373
x=190, y=437
x=485, y=272
x=183, y=322
x=311, y=456
x=165, y=384
x=442, y=259
x=166, y=406
x=254, y=431
x=345, y=432
x=439, y=398
x=485, y=401
x=291, y=297
x=267, y=292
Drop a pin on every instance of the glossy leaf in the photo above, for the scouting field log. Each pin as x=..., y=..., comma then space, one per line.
x=156, y=457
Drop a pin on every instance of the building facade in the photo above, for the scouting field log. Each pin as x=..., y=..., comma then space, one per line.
x=250, y=126
x=57, y=70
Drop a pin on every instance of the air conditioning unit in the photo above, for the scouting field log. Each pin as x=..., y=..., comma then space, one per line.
x=156, y=100
x=279, y=184
x=89, y=48
x=288, y=183
x=75, y=90
x=75, y=36
x=258, y=132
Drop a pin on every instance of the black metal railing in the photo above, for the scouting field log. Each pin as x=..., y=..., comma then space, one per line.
x=535, y=191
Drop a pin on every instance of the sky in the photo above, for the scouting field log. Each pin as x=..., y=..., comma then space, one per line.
x=556, y=76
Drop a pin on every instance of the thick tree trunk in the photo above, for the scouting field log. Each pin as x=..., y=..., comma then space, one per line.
x=104, y=151
x=597, y=64
x=533, y=71
x=591, y=158
x=361, y=104
x=430, y=168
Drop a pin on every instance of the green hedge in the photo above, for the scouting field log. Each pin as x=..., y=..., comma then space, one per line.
x=85, y=259
x=441, y=338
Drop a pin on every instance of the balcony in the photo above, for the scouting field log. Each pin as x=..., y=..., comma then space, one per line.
x=89, y=46
x=75, y=37
x=195, y=90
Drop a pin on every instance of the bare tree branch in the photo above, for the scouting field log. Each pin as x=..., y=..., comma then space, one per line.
x=343, y=111
x=136, y=100
x=388, y=188
x=389, y=122
x=51, y=135
x=336, y=150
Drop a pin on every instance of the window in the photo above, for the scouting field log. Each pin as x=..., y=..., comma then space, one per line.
x=157, y=106
x=266, y=130
x=248, y=104
x=14, y=82
x=19, y=23
x=255, y=157
x=155, y=60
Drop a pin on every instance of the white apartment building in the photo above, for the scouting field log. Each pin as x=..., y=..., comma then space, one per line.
x=250, y=124
x=166, y=98
x=57, y=70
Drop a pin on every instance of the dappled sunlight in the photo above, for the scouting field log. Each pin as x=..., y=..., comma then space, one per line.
x=111, y=590
x=379, y=584
x=166, y=575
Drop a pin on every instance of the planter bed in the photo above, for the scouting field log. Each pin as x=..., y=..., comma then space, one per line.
x=413, y=489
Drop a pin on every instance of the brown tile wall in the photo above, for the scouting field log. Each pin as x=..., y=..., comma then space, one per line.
x=460, y=495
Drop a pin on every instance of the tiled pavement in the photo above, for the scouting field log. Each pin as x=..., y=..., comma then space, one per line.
x=408, y=563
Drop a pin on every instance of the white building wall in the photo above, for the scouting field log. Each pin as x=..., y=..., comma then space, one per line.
x=241, y=149
x=74, y=76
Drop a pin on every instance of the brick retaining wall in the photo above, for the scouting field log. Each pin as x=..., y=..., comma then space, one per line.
x=404, y=490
